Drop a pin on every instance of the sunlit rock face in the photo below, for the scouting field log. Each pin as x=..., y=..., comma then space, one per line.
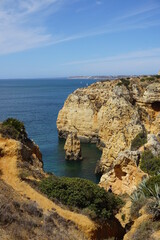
x=125, y=174
x=72, y=147
x=112, y=114
x=152, y=94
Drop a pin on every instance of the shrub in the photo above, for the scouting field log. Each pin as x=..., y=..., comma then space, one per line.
x=81, y=193
x=152, y=181
x=124, y=82
x=24, y=174
x=139, y=141
x=145, y=230
x=149, y=163
x=153, y=184
x=157, y=76
x=138, y=200
x=146, y=193
x=32, y=209
x=16, y=124
x=123, y=217
x=151, y=79
x=143, y=79
x=13, y=128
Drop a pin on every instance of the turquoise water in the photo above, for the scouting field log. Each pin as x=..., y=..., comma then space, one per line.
x=37, y=103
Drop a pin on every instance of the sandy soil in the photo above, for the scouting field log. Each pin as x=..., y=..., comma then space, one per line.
x=8, y=166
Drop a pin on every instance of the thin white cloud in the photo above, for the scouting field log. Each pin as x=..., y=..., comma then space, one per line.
x=16, y=30
x=151, y=53
x=110, y=28
x=18, y=33
x=139, y=11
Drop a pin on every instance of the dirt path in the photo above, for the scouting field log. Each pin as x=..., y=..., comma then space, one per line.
x=8, y=166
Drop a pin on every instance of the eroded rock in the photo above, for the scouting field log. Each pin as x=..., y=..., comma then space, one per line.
x=152, y=93
x=113, y=114
x=73, y=147
x=124, y=176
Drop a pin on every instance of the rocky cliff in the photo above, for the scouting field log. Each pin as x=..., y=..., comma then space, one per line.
x=112, y=114
x=25, y=212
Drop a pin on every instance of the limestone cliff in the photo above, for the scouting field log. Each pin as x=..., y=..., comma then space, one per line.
x=112, y=114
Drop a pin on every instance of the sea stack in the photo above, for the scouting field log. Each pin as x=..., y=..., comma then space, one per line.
x=72, y=147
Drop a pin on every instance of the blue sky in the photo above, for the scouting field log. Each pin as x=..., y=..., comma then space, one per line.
x=50, y=38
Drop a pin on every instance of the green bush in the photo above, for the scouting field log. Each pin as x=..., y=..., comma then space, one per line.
x=143, y=79
x=149, y=163
x=152, y=181
x=147, y=193
x=124, y=82
x=16, y=124
x=139, y=141
x=13, y=128
x=24, y=174
x=150, y=79
x=156, y=76
x=82, y=194
x=123, y=217
x=137, y=205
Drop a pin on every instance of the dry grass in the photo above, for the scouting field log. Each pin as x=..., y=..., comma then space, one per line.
x=23, y=220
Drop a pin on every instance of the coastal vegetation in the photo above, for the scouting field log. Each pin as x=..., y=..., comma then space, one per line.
x=152, y=78
x=150, y=163
x=153, y=180
x=145, y=230
x=147, y=194
x=82, y=194
x=13, y=128
x=23, y=219
x=139, y=141
x=124, y=81
x=122, y=173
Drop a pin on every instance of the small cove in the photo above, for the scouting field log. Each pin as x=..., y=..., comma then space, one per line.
x=37, y=103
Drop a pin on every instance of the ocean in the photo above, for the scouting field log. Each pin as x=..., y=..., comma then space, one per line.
x=37, y=102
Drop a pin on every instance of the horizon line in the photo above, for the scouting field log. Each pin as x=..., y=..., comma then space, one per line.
x=76, y=76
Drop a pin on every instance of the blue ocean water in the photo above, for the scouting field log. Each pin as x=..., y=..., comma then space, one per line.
x=37, y=102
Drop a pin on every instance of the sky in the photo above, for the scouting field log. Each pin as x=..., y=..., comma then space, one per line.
x=60, y=38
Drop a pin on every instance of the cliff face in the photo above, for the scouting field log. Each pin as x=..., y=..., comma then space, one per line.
x=25, y=213
x=112, y=114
